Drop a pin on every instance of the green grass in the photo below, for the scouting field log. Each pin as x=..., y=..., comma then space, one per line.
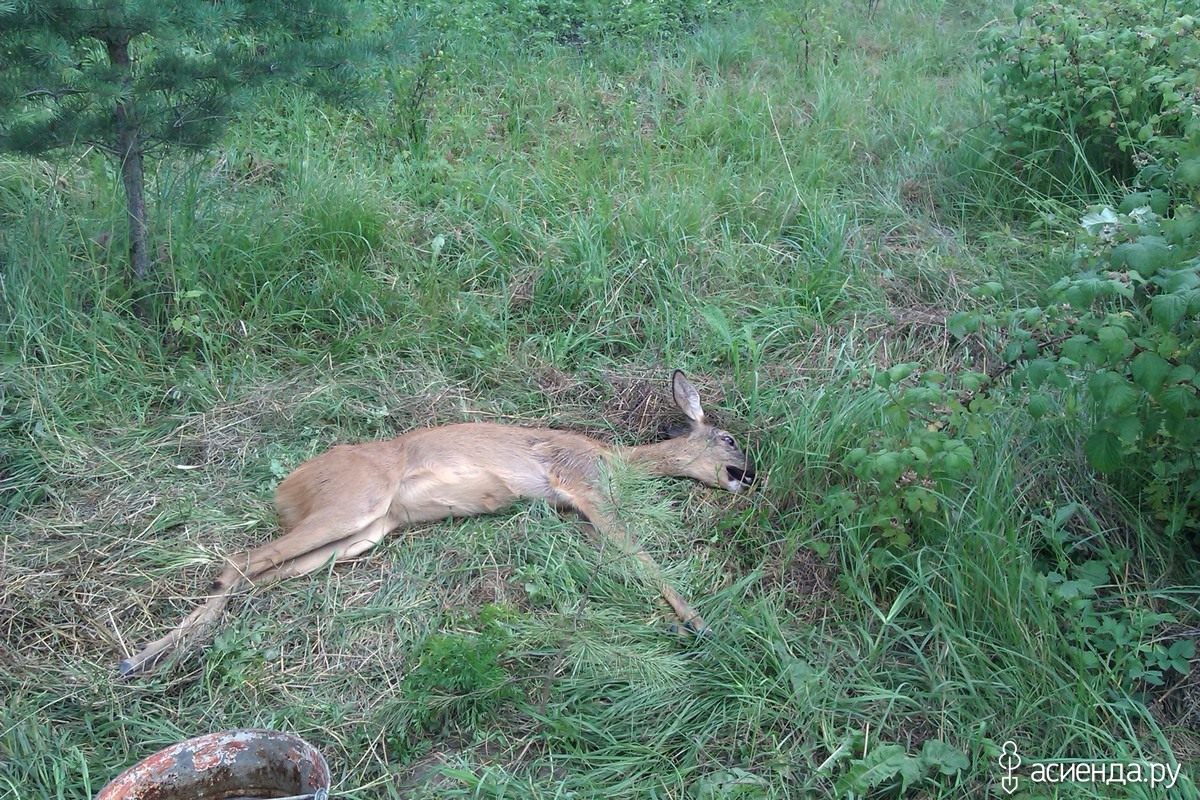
x=576, y=223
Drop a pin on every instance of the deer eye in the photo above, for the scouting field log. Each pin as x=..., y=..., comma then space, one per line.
x=727, y=439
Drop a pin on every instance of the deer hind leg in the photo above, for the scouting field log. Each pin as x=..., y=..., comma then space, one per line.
x=200, y=619
x=309, y=546
x=350, y=547
x=615, y=532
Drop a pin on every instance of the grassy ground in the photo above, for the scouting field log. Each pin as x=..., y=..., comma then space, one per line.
x=776, y=219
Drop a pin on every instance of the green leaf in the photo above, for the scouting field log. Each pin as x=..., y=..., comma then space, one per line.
x=1094, y=571
x=1145, y=255
x=956, y=458
x=1150, y=371
x=1081, y=349
x=1179, y=400
x=881, y=764
x=1188, y=172
x=1096, y=221
x=901, y=371
x=1120, y=396
x=962, y=323
x=1039, y=406
x=1168, y=345
x=1112, y=338
x=989, y=289
x=917, y=395
x=948, y=760
x=1153, y=175
x=887, y=467
x=718, y=322
x=1099, y=384
x=1063, y=515
x=1081, y=294
x=1182, y=374
x=1037, y=372
x=1160, y=202
x=1183, y=648
x=1180, y=654
x=971, y=381
x=1176, y=279
x=1134, y=200
x=1103, y=451
x=733, y=783
x=911, y=771
x=1168, y=309
x=1128, y=429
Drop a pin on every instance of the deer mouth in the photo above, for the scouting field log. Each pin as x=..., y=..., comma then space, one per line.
x=739, y=479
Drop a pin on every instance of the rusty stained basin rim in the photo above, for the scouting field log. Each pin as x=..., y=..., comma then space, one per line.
x=227, y=764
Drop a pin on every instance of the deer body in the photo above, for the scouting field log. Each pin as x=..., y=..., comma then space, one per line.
x=345, y=501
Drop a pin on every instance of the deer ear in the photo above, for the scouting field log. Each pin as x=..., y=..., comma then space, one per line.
x=687, y=398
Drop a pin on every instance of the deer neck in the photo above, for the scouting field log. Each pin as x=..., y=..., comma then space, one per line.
x=659, y=458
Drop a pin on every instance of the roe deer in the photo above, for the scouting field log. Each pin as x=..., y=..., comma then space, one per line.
x=342, y=503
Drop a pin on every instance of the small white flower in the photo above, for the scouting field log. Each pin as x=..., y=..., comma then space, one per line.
x=1142, y=214
x=1095, y=222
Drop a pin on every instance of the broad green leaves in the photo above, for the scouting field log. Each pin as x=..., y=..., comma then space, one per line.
x=890, y=764
x=1146, y=255
x=903, y=473
x=1118, y=345
x=1112, y=338
x=1103, y=451
x=1168, y=309
x=1126, y=639
x=1149, y=371
x=1127, y=97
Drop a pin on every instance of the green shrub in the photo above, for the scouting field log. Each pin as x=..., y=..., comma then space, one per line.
x=1105, y=628
x=1117, y=344
x=1094, y=86
x=904, y=472
x=459, y=680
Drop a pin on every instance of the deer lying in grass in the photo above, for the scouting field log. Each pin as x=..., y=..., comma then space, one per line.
x=343, y=502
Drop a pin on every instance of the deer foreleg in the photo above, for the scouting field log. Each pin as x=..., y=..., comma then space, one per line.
x=618, y=534
x=690, y=618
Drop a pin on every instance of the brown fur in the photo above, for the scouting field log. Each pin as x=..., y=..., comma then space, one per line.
x=346, y=500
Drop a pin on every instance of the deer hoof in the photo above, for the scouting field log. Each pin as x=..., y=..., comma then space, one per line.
x=700, y=632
